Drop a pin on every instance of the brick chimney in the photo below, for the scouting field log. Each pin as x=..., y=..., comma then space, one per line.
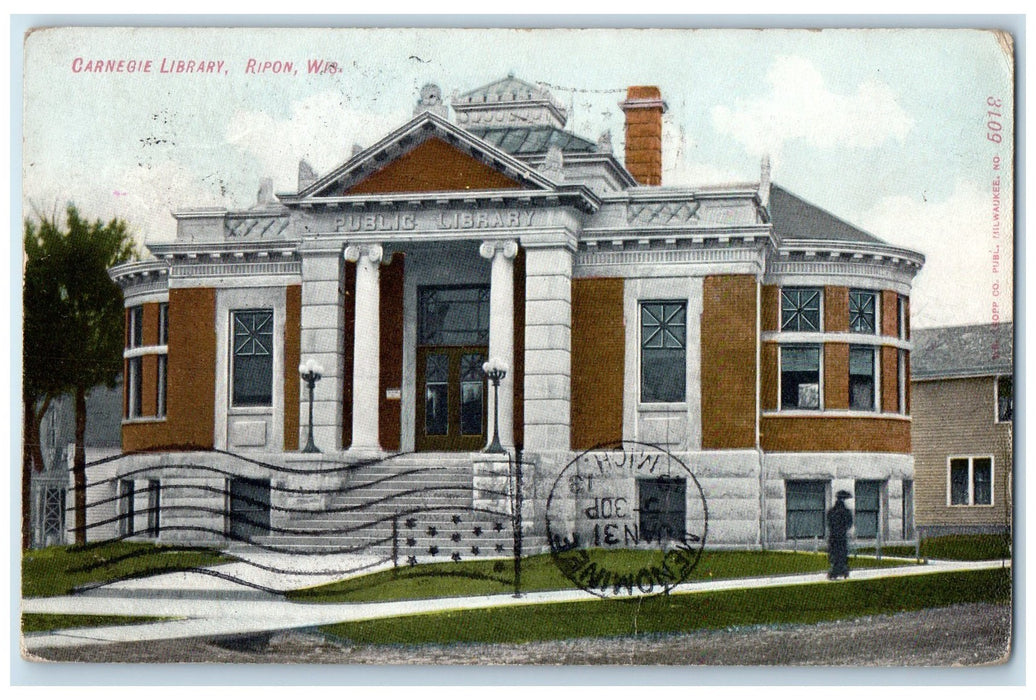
x=644, y=108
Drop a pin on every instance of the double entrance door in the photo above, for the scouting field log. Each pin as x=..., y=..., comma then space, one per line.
x=453, y=338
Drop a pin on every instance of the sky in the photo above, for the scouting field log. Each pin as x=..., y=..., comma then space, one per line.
x=888, y=129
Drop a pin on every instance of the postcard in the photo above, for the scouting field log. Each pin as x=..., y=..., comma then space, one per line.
x=498, y=346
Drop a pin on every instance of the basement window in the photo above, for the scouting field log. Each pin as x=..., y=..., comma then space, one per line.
x=805, y=502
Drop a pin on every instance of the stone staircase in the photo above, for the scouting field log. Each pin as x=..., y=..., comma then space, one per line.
x=413, y=508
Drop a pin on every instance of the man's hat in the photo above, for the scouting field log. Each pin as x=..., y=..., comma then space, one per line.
x=843, y=494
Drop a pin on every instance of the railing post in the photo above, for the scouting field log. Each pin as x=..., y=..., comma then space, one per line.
x=395, y=544
x=516, y=523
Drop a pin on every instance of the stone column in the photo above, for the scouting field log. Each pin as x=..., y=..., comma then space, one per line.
x=366, y=355
x=321, y=340
x=548, y=348
x=501, y=333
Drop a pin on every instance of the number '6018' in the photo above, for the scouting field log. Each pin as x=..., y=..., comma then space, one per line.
x=994, y=127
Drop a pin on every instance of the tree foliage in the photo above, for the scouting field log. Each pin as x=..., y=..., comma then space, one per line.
x=73, y=326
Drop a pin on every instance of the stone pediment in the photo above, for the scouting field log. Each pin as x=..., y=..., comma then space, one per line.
x=428, y=154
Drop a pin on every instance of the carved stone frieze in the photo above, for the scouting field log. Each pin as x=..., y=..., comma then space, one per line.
x=256, y=227
x=662, y=213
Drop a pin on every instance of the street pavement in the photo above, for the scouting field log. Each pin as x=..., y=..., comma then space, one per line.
x=213, y=603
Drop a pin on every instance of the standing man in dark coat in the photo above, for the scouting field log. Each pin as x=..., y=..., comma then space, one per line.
x=839, y=520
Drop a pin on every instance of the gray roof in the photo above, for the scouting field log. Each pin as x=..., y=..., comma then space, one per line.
x=507, y=89
x=526, y=140
x=796, y=219
x=962, y=351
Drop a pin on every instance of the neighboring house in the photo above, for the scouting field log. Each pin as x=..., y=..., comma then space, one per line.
x=963, y=411
x=755, y=336
x=51, y=487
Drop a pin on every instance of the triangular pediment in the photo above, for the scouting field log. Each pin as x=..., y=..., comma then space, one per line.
x=428, y=154
x=434, y=166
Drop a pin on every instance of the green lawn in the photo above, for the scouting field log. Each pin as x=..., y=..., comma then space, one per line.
x=683, y=613
x=539, y=573
x=46, y=622
x=59, y=570
x=956, y=547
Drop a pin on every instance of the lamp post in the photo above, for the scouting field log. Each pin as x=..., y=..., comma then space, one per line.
x=495, y=370
x=311, y=372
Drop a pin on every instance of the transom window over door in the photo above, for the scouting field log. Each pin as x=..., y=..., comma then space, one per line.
x=453, y=315
x=253, y=357
x=663, y=351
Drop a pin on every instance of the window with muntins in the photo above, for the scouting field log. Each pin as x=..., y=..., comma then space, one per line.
x=253, y=357
x=971, y=481
x=861, y=379
x=800, y=309
x=663, y=351
x=863, y=314
x=1004, y=399
x=805, y=503
x=800, y=377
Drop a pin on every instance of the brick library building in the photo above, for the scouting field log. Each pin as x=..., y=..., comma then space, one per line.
x=305, y=371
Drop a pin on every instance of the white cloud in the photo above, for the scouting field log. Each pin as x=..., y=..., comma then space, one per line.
x=142, y=195
x=956, y=285
x=800, y=106
x=682, y=164
x=321, y=129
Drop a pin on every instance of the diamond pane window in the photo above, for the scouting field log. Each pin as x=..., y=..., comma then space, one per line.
x=663, y=352
x=253, y=358
x=862, y=311
x=800, y=309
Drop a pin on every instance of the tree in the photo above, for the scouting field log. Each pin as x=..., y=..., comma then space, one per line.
x=73, y=331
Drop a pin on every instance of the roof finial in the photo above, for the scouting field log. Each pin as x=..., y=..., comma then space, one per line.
x=430, y=100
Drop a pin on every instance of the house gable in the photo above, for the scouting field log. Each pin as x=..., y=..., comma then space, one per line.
x=427, y=154
x=433, y=166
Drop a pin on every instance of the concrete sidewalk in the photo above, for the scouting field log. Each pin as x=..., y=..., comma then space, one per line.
x=208, y=614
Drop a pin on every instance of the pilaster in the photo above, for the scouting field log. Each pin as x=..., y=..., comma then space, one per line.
x=321, y=341
x=548, y=348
